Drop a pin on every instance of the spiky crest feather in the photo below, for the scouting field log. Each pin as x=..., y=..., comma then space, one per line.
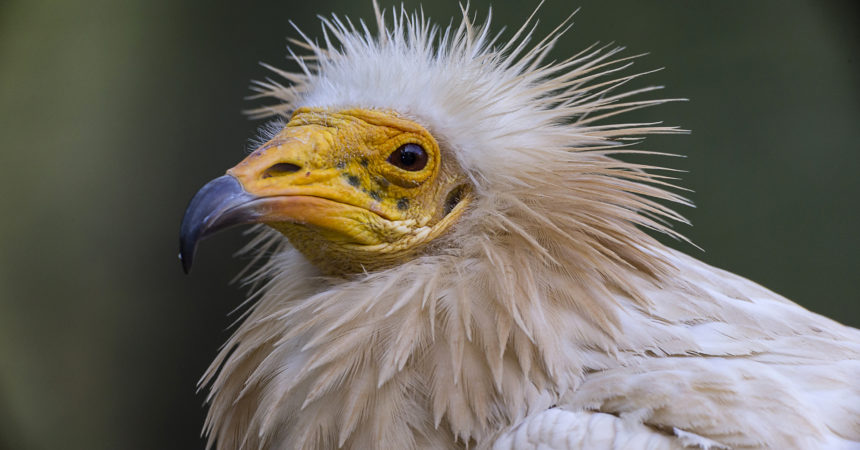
x=547, y=286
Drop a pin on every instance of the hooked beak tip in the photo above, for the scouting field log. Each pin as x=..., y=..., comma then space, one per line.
x=186, y=263
x=205, y=214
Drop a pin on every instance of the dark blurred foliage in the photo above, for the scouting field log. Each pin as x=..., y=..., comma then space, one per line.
x=112, y=114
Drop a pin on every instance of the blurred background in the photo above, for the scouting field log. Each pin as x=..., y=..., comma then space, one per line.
x=113, y=113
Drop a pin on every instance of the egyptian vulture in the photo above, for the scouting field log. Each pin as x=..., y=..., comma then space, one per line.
x=451, y=255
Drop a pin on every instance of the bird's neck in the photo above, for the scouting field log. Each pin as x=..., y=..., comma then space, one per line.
x=439, y=348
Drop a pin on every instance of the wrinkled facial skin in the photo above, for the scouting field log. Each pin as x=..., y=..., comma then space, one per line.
x=337, y=185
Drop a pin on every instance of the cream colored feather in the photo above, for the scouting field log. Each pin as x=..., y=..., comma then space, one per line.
x=547, y=317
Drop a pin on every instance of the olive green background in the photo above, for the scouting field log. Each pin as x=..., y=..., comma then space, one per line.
x=112, y=114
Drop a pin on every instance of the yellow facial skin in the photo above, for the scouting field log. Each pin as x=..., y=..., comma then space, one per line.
x=334, y=193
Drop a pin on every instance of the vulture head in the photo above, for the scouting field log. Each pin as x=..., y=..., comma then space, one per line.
x=415, y=142
x=451, y=250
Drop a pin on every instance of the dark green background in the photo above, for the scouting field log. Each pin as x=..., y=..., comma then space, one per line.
x=112, y=114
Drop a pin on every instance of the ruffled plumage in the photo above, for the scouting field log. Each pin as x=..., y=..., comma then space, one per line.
x=547, y=293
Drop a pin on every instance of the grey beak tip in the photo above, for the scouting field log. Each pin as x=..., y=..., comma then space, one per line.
x=204, y=211
x=186, y=256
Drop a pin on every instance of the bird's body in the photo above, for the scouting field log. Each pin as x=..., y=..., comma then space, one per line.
x=527, y=309
x=388, y=359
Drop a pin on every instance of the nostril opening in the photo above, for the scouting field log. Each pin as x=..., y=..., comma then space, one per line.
x=280, y=169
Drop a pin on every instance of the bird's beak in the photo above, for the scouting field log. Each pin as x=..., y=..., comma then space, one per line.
x=221, y=203
x=224, y=202
x=286, y=181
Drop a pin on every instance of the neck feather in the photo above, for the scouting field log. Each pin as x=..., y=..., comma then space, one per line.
x=404, y=354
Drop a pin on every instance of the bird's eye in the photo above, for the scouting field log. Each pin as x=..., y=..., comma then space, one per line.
x=409, y=157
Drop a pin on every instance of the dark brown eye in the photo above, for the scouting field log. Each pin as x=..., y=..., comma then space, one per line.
x=409, y=157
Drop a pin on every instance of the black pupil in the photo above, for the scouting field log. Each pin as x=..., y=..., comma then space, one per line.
x=409, y=154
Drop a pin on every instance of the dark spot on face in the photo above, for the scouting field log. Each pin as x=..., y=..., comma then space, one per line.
x=364, y=162
x=403, y=204
x=341, y=165
x=353, y=180
x=375, y=195
x=383, y=183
